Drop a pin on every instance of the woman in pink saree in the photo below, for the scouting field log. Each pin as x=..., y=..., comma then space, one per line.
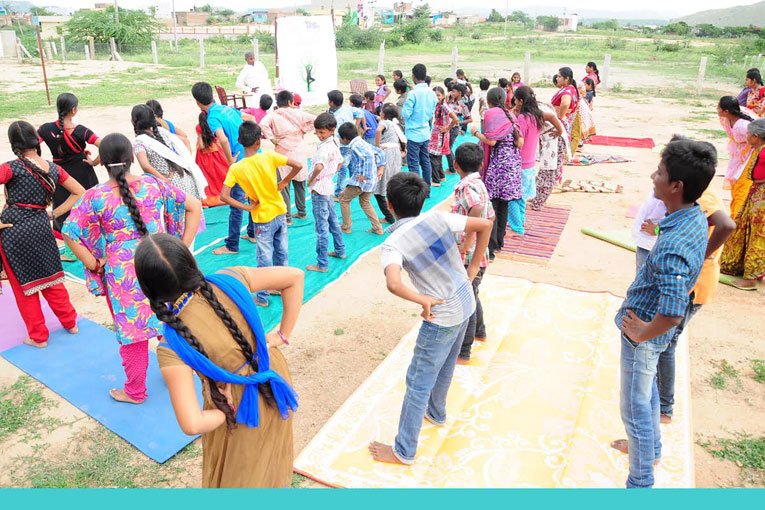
x=735, y=122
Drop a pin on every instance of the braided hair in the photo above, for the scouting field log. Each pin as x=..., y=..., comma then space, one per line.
x=65, y=103
x=730, y=105
x=145, y=123
x=496, y=98
x=23, y=137
x=594, y=67
x=116, y=153
x=566, y=72
x=208, y=138
x=166, y=269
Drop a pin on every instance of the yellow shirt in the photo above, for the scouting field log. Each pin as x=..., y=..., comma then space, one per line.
x=706, y=285
x=257, y=176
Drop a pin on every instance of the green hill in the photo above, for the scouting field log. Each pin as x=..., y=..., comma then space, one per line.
x=738, y=16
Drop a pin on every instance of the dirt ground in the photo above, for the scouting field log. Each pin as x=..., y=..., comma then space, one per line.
x=347, y=330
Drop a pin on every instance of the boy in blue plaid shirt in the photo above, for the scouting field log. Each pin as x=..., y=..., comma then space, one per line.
x=425, y=246
x=660, y=297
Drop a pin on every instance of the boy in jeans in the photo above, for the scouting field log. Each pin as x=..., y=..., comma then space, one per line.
x=366, y=165
x=660, y=297
x=471, y=199
x=326, y=163
x=425, y=246
x=256, y=174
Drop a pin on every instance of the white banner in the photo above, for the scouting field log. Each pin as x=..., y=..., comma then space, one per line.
x=307, y=57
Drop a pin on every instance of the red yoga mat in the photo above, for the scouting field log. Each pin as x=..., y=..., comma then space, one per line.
x=619, y=141
x=543, y=231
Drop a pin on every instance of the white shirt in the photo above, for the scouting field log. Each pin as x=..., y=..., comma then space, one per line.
x=652, y=209
x=252, y=76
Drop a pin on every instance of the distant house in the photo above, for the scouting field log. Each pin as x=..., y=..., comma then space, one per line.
x=191, y=18
x=259, y=16
x=568, y=23
x=50, y=26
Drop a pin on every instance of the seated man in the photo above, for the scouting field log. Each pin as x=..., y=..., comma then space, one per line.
x=253, y=80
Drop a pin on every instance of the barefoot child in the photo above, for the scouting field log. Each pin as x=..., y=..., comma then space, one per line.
x=365, y=167
x=326, y=163
x=471, y=199
x=29, y=257
x=257, y=176
x=425, y=246
x=659, y=298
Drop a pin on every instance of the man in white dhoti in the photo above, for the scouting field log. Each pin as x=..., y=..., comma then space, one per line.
x=253, y=80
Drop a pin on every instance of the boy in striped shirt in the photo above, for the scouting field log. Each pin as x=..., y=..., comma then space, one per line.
x=425, y=246
x=326, y=163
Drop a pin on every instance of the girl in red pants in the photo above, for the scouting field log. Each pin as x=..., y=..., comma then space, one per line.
x=29, y=257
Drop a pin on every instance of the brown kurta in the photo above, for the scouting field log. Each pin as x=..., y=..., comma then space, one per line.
x=243, y=457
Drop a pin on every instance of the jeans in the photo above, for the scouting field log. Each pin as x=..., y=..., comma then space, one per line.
x=427, y=383
x=639, y=403
x=342, y=174
x=382, y=204
x=235, y=221
x=666, y=370
x=641, y=255
x=417, y=157
x=299, y=187
x=476, y=326
x=326, y=223
x=499, y=228
x=271, y=240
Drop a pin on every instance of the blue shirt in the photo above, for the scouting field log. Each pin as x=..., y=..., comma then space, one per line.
x=418, y=110
x=663, y=284
x=372, y=124
x=228, y=119
x=364, y=161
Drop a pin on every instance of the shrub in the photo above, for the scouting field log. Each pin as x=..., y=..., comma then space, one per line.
x=413, y=31
x=436, y=35
x=350, y=36
x=616, y=43
x=475, y=35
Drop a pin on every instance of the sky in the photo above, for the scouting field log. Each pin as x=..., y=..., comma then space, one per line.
x=678, y=7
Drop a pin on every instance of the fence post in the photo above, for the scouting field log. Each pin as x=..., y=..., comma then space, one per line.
x=455, y=55
x=527, y=67
x=255, y=47
x=381, y=58
x=87, y=52
x=48, y=51
x=154, y=56
x=606, y=67
x=54, y=48
x=201, y=53
x=92, y=46
x=63, y=49
x=702, y=71
x=113, y=48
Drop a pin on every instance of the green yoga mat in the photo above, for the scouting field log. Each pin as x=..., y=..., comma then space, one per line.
x=623, y=239
x=302, y=247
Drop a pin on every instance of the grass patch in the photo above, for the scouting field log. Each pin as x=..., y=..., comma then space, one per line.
x=747, y=452
x=758, y=365
x=726, y=374
x=99, y=459
x=21, y=408
x=297, y=480
x=339, y=331
x=712, y=133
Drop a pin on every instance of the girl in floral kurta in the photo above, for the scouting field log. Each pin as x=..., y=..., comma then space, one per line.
x=104, y=230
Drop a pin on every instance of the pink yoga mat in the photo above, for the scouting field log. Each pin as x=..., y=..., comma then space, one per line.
x=12, y=329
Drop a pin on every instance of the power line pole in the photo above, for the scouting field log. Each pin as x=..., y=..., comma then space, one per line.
x=507, y=9
x=116, y=12
x=175, y=33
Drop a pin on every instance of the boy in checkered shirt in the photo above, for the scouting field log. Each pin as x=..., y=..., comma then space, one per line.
x=425, y=246
x=471, y=199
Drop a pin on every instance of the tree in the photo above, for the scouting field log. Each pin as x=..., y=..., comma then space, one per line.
x=708, y=30
x=40, y=11
x=606, y=25
x=422, y=11
x=135, y=27
x=520, y=17
x=495, y=17
x=549, y=23
x=677, y=28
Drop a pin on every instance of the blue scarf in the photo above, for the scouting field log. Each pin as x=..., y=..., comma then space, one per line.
x=247, y=414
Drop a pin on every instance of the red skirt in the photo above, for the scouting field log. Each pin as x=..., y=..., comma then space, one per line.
x=214, y=166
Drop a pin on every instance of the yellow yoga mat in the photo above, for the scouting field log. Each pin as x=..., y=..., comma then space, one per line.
x=537, y=407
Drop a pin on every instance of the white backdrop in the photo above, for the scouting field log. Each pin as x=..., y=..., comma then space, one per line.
x=307, y=44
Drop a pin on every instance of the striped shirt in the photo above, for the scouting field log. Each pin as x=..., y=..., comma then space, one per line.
x=364, y=161
x=424, y=246
x=328, y=155
x=663, y=284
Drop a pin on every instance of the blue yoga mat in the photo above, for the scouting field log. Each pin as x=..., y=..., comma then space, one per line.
x=83, y=368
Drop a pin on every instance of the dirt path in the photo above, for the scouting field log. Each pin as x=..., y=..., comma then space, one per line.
x=346, y=331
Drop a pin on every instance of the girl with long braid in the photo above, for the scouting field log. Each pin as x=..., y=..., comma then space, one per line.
x=501, y=142
x=104, y=229
x=68, y=143
x=735, y=122
x=212, y=328
x=29, y=258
